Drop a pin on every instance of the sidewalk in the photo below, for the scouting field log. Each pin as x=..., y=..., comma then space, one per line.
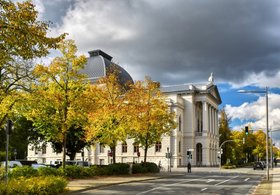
x=271, y=187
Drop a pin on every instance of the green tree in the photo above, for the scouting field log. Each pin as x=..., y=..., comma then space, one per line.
x=58, y=99
x=238, y=155
x=23, y=133
x=75, y=142
x=225, y=134
x=151, y=116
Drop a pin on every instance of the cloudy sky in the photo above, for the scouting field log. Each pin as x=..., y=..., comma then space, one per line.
x=183, y=41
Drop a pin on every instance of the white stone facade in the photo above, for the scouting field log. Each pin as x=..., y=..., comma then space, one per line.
x=196, y=108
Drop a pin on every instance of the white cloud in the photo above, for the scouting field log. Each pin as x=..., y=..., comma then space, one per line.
x=98, y=24
x=39, y=6
x=256, y=112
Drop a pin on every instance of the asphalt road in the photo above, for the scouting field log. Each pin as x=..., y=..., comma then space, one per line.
x=194, y=183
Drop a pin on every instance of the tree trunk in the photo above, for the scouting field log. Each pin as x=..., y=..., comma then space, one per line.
x=72, y=155
x=145, y=153
x=113, y=150
x=64, y=151
x=146, y=149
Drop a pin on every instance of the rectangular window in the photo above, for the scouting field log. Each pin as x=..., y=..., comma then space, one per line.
x=37, y=150
x=124, y=147
x=101, y=148
x=135, y=148
x=44, y=149
x=179, y=146
x=158, y=147
x=180, y=123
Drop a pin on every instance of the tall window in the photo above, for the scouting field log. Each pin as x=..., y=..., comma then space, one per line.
x=44, y=149
x=135, y=147
x=101, y=148
x=180, y=123
x=124, y=147
x=179, y=146
x=158, y=146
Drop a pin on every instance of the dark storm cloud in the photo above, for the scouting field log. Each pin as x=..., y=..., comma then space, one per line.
x=182, y=41
x=56, y=10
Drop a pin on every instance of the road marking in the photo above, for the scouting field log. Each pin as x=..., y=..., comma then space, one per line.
x=246, y=179
x=226, y=180
x=203, y=189
x=170, y=185
x=210, y=180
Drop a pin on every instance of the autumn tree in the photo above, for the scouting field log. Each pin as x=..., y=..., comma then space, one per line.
x=22, y=39
x=108, y=122
x=58, y=99
x=260, y=150
x=151, y=116
x=75, y=142
x=225, y=134
x=237, y=156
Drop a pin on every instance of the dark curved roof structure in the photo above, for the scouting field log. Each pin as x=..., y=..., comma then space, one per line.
x=99, y=65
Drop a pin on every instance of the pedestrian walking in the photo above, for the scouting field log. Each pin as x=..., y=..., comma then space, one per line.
x=189, y=167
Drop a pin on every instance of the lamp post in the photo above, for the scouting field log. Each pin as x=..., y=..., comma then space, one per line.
x=271, y=153
x=265, y=91
x=221, y=151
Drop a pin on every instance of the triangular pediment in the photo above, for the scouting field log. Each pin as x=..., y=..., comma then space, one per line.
x=214, y=92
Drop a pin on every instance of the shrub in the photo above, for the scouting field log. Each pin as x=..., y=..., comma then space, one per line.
x=34, y=185
x=151, y=167
x=97, y=170
x=24, y=171
x=138, y=168
x=74, y=171
x=2, y=173
x=147, y=167
x=118, y=169
x=112, y=169
x=48, y=171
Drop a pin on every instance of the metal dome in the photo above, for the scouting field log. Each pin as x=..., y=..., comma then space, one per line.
x=98, y=65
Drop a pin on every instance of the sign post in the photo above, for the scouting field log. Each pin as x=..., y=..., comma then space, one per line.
x=168, y=155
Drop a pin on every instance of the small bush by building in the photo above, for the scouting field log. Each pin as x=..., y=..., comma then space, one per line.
x=147, y=167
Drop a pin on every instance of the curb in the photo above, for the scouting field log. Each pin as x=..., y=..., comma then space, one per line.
x=117, y=183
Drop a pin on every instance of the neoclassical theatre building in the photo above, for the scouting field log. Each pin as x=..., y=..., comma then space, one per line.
x=195, y=140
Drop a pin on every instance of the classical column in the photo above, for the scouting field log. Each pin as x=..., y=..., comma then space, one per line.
x=217, y=122
x=205, y=117
x=210, y=119
x=214, y=120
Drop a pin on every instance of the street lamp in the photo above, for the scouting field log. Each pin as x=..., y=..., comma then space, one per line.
x=266, y=106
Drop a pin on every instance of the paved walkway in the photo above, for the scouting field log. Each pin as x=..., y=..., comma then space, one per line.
x=264, y=188
x=272, y=186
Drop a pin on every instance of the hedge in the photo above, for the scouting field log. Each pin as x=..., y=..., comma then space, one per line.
x=34, y=185
x=75, y=172
x=147, y=167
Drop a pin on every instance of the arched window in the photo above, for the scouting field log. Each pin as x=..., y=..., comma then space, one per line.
x=124, y=147
x=158, y=146
x=135, y=147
